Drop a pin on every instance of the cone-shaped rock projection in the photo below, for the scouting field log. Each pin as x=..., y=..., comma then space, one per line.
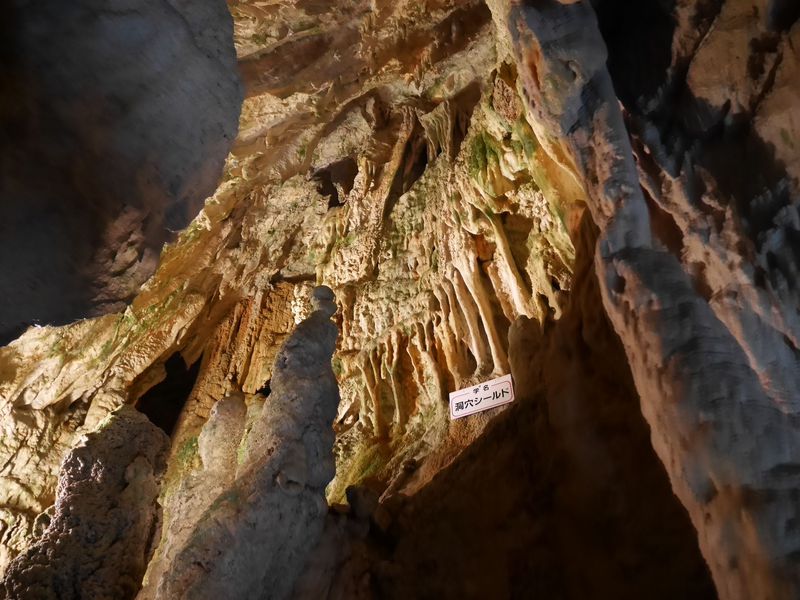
x=254, y=539
x=597, y=198
x=96, y=539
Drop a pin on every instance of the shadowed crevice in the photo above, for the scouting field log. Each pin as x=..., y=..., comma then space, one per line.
x=164, y=402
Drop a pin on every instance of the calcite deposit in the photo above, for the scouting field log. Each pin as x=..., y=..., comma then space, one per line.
x=256, y=531
x=95, y=541
x=599, y=198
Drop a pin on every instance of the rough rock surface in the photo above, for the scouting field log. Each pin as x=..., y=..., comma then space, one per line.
x=255, y=537
x=216, y=449
x=710, y=328
x=601, y=199
x=421, y=158
x=98, y=536
x=566, y=476
x=129, y=108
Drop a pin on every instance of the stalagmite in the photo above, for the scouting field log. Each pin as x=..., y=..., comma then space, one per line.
x=252, y=542
x=217, y=449
x=97, y=542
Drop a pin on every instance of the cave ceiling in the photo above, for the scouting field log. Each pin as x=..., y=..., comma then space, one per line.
x=599, y=199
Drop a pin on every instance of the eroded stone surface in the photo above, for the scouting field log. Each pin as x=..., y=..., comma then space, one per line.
x=116, y=118
x=254, y=538
x=435, y=163
x=100, y=532
x=448, y=229
x=707, y=327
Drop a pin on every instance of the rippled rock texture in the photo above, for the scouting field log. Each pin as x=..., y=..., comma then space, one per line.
x=599, y=198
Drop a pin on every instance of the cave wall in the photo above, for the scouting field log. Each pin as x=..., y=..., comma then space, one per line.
x=564, y=488
x=693, y=317
x=483, y=194
x=114, y=127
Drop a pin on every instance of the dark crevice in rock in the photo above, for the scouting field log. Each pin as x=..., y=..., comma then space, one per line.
x=415, y=161
x=299, y=278
x=638, y=56
x=265, y=390
x=758, y=172
x=336, y=180
x=759, y=49
x=164, y=402
x=783, y=14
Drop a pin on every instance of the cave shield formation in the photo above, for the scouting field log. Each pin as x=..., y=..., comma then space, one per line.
x=228, y=356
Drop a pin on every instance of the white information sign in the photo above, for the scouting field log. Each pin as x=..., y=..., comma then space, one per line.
x=481, y=397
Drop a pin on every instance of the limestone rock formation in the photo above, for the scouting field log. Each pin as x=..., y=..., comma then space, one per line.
x=116, y=120
x=254, y=538
x=98, y=536
x=599, y=198
x=715, y=367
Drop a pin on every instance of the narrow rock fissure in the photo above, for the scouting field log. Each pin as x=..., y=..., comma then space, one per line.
x=164, y=402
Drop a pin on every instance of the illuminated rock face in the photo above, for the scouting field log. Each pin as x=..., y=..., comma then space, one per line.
x=255, y=535
x=462, y=176
x=95, y=541
x=694, y=265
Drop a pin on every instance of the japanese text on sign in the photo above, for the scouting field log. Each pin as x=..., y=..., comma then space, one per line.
x=481, y=397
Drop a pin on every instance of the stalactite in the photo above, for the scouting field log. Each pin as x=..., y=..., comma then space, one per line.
x=453, y=350
x=472, y=279
x=469, y=311
x=370, y=407
x=426, y=367
x=438, y=125
x=514, y=285
x=389, y=367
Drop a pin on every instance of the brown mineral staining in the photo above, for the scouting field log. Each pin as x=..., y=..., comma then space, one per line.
x=505, y=101
x=598, y=198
